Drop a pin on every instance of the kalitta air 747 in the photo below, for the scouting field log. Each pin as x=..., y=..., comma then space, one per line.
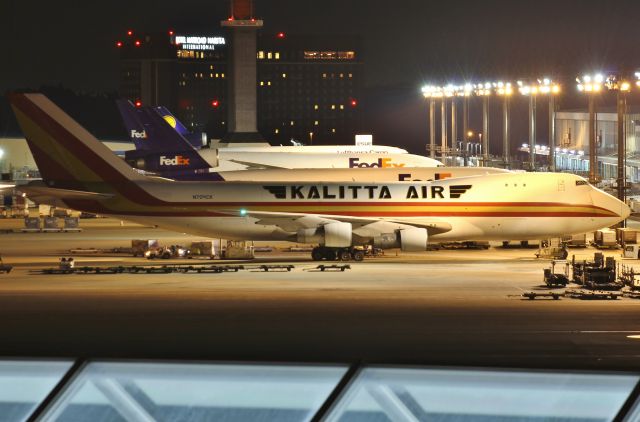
x=80, y=173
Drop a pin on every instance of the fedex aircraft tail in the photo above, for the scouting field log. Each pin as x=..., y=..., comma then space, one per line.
x=135, y=129
x=196, y=139
x=159, y=147
x=172, y=120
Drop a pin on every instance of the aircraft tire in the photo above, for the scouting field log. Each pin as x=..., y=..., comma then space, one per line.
x=344, y=255
x=357, y=255
x=330, y=254
x=316, y=254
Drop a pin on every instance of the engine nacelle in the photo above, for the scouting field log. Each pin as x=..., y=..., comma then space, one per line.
x=332, y=235
x=387, y=241
x=413, y=240
x=409, y=240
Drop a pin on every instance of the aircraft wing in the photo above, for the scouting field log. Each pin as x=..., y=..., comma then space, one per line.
x=61, y=193
x=255, y=166
x=365, y=226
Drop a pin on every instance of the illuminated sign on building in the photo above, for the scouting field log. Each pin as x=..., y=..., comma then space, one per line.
x=196, y=42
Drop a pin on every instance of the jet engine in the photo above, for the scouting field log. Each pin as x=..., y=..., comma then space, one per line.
x=409, y=240
x=331, y=235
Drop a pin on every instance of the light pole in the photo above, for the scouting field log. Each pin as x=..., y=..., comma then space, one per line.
x=484, y=91
x=432, y=128
x=505, y=91
x=432, y=93
x=622, y=86
x=592, y=86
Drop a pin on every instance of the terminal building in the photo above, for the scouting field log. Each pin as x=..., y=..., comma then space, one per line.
x=308, y=88
x=572, y=140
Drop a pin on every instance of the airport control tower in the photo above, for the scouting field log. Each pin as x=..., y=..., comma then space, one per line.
x=242, y=100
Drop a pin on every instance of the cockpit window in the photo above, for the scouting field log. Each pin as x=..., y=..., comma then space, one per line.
x=581, y=182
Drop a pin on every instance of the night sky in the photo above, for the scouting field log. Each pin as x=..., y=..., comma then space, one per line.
x=407, y=42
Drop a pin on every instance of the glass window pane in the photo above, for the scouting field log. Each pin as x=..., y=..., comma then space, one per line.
x=380, y=394
x=195, y=392
x=24, y=384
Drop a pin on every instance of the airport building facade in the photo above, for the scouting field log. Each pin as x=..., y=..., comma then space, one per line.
x=572, y=139
x=308, y=88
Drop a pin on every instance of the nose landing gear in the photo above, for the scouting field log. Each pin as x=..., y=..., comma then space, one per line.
x=340, y=254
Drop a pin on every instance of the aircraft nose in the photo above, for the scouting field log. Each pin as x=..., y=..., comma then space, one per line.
x=610, y=203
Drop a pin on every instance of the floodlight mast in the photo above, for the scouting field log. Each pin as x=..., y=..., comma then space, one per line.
x=592, y=86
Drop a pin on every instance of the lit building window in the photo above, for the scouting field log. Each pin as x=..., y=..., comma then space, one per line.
x=351, y=75
x=217, y=75
x=277, y=55
x=268, y=83
x=211, y=75
x=311, y=55
x=315, y=107
x=261, y=83
x=333, y=130
x=341, y=106
x=261, y=54
x=342, y=75
x=284, y=75
x=211, y=67
x=222, y=75
x=333, y=106
x=316, y=123
x=293, y=123
x=324, y=76
x=276, y=131
x=269, y=55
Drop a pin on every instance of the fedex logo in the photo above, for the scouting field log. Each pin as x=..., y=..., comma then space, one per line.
x=138, y=135
x=381, y=163
x=178, y=160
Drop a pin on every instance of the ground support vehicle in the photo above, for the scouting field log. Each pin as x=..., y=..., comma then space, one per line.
x=140, y=246
x=600, y=274
x=4, y=268
x=327, y=268
x=592, y=294
x=535, y=295
x=167, y=252
x=465, y=245
x=355, y=253
x=631, y=251
x=553, y=279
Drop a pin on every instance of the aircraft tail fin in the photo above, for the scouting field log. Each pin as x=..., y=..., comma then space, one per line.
x=196, y=139
x=67, y=155
x=172, y=120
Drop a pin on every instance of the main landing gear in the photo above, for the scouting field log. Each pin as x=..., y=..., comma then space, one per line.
x=336, y=254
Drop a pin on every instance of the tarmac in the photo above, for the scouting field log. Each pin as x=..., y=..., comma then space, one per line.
x=447, y=307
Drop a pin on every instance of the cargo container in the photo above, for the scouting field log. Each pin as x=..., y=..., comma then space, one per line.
x=605, y=238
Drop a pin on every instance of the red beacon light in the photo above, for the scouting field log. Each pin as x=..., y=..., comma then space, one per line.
x=354, y=103
x=230, y=18
x=129, y=32
x=138, y=43
x=138, y=103
x=119, y=44
x=171, y=32
x=280, y=35
x=215, y=103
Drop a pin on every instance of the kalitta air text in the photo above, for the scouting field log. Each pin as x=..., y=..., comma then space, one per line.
x=350, y=192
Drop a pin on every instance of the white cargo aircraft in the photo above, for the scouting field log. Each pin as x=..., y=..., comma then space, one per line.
x=397, y=174
x=83, y=174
